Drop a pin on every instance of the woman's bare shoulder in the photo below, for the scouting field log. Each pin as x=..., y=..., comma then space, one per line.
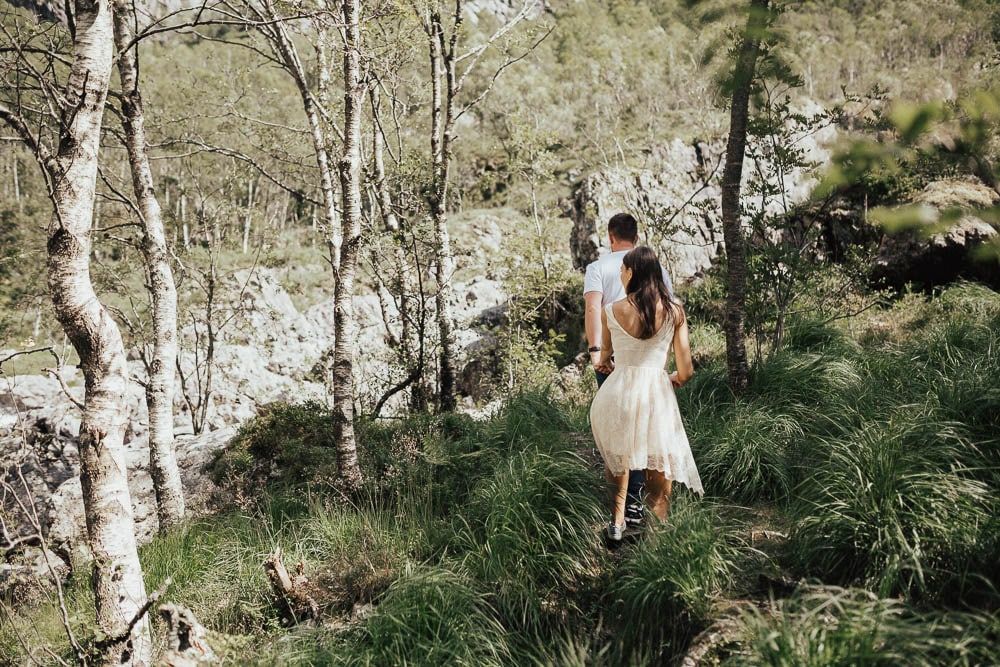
x=677, y=310
x=624, y=307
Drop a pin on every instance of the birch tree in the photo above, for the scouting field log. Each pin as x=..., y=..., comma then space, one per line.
x=346, y=268
x=163, y=293
x=70, y=170
x=341, y=225
x=448, y=69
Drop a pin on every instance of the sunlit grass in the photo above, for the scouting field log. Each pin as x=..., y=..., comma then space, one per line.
x=854, y=628
x=478, y=542
x=529, y=532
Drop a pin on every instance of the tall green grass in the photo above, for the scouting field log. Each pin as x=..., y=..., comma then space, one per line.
x=528, y=532
x=478, y=542
x=434, y=616
x=893, y=508
x=903, y=497
x=853, y=628
x=665, y=589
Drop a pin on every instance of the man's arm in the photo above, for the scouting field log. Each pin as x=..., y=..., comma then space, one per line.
x=592, y=323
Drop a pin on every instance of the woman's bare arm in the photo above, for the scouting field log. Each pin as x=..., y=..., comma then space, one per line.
x=682, y=350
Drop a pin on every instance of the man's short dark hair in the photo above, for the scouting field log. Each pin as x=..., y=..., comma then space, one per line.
x=623, y=227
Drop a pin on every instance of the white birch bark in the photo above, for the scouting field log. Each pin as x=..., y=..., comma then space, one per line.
x=119, y=590
x=342, y=232
x=442, y=123
x=350, y=185
x=160, y=390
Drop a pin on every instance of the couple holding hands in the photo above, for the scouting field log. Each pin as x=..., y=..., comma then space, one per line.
x=632, y=324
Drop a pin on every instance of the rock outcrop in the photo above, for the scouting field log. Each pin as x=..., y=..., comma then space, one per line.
x=939, y=258
x=266, y=354
x=677, y=200
x=677, y=205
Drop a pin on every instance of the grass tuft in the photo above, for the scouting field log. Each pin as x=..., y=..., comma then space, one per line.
x=528, y=531
x=892, y=508
x=852, y=628
x=434, y=616
x=667, y=587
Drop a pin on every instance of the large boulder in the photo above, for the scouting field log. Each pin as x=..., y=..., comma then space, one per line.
x=676, y=203
x=926, y=260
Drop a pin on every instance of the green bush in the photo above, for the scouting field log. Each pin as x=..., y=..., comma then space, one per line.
x=287, y=443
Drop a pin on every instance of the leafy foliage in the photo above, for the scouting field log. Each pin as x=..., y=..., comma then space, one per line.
x=292, y=443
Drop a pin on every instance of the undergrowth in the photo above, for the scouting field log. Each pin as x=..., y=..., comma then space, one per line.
x=869, y=447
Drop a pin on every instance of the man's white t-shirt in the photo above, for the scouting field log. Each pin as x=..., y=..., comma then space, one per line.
x=604, y=275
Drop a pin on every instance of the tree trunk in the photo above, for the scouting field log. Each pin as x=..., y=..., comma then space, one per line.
x=344, y=238
x=118, y=584
x=736, y=276
x=442, y=58
x=163, y=293
x=350, y=186
x=410, y=353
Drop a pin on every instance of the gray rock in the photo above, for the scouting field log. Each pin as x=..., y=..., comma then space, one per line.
x=677, y=205
x=264, y=357
x=676, y=198
x=936, y=259
x=29, y=574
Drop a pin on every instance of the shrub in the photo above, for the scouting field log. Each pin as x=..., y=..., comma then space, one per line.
x=288, y=443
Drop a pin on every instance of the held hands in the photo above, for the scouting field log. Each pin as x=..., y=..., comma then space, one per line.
x=675, y=380
x=605, y=367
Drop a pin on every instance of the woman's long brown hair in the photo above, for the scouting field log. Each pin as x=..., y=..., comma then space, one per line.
x=645, y=288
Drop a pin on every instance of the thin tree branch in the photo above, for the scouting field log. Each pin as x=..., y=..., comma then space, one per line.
x=243, y=157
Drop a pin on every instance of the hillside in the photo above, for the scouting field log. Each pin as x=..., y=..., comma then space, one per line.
x=379, y=399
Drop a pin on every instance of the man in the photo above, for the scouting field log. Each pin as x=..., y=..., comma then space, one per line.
x=602, y=285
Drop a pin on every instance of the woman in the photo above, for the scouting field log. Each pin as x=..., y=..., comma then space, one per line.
x=634, y=416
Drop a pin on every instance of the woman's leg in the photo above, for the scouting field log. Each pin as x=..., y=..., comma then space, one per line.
x=658, y=489
x=619, y=489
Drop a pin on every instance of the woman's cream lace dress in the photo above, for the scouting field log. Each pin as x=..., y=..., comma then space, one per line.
x=635, y=417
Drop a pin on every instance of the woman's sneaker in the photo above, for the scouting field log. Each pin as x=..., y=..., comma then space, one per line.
x=615, y=533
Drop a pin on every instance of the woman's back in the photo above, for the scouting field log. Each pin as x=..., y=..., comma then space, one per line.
x=630, y=350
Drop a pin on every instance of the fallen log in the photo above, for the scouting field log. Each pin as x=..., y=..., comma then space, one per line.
x=187, y=639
